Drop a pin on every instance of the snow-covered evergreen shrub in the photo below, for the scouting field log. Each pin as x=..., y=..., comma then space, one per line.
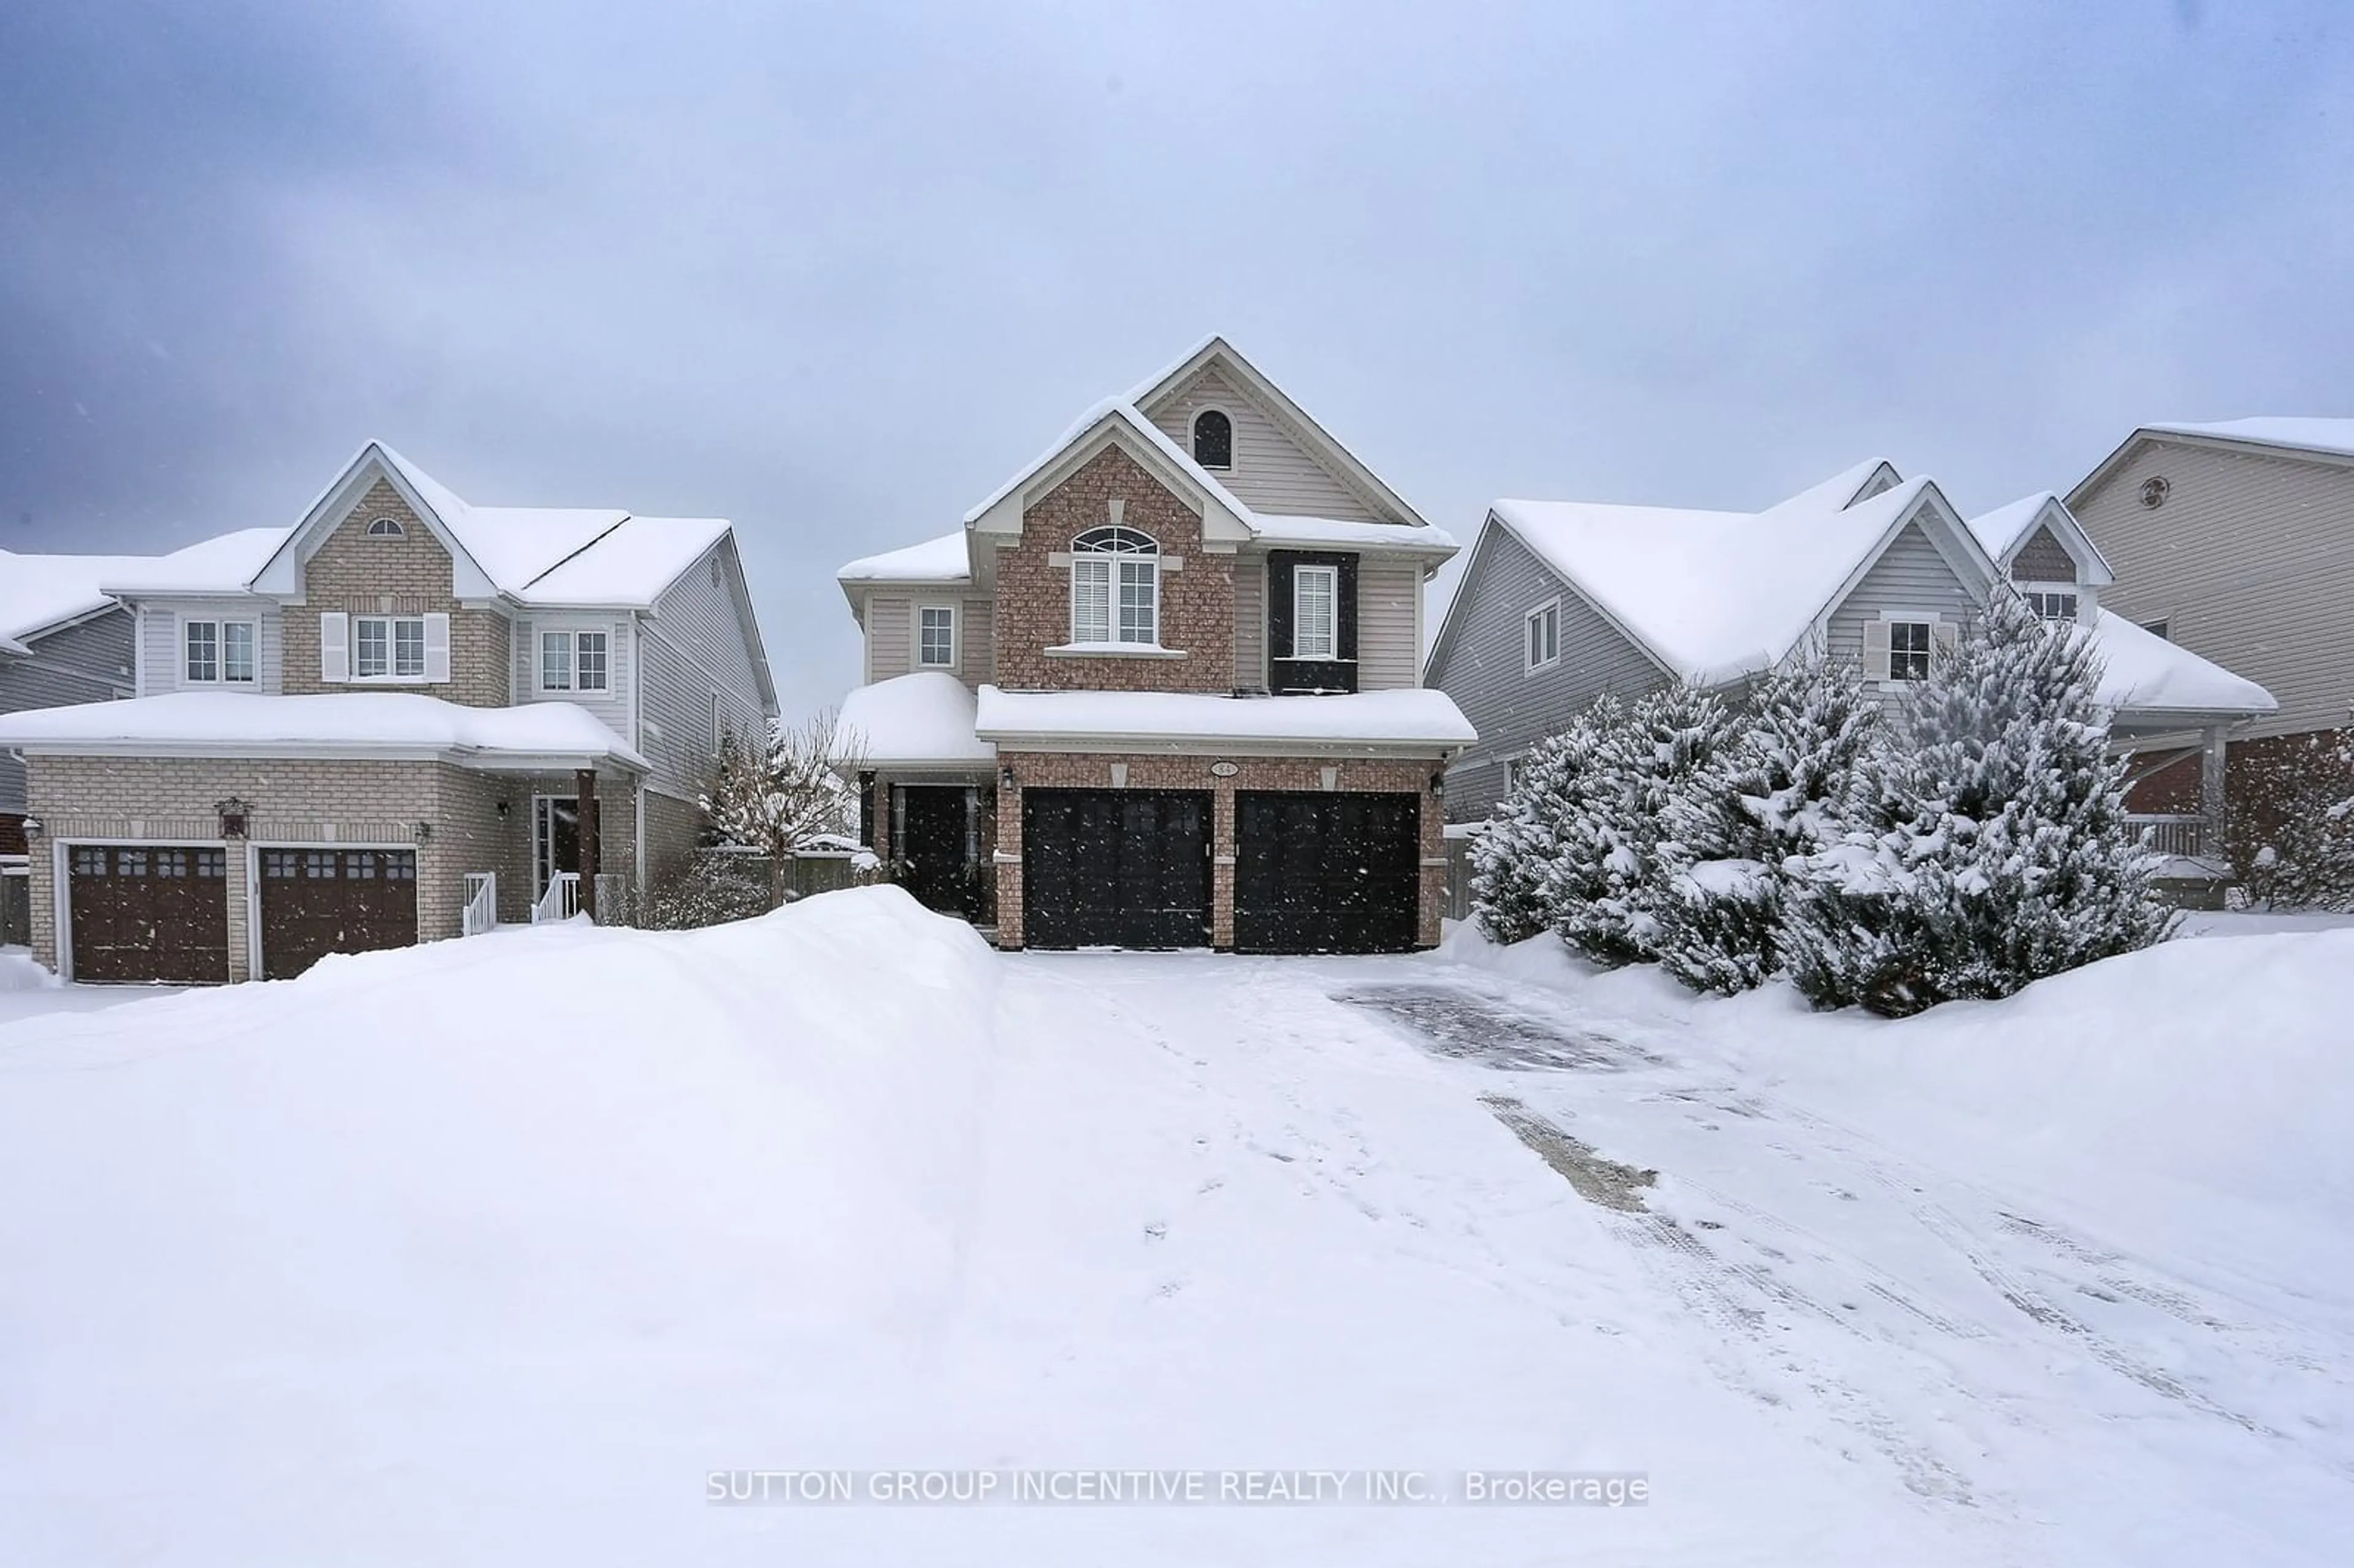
x=1607, y=883
x=1988, y=846
x=711, y=887
x=1778, y=789
x=1514, y=860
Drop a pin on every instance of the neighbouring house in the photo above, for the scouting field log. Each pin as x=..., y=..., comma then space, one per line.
x=2237, y=540
x=64, y=641
x=1561, y=601
x=404, y=718
x=1160, y=688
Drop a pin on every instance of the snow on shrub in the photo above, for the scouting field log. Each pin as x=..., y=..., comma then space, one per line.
x=1773, y=793
x=1514, y=861
x=1988, y=846
x=2291, y=833
x=1608, y=882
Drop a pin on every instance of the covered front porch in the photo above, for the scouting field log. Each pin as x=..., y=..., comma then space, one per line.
x=2175, y=794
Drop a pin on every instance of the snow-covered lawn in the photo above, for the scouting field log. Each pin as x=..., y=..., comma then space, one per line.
x=491, y=1252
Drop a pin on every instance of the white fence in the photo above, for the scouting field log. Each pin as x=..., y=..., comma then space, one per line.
x=562, y=899
x=481, y=903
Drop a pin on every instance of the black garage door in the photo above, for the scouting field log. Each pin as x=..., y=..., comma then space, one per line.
x=144, y=913
x=315, y=902
x=1327, y=873
x=1123, y=868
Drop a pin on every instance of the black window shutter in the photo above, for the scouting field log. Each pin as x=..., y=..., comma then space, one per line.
x=1287, y=673
x=1345, y=612
x=1278, y=603
x=867, y=809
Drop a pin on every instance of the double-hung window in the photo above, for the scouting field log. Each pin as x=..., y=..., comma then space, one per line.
x=1115, y=587
x=1908, y=649
x=1544, y=635
x=387, y=648
x=218, y=652
x=574, y=660
x=936, y=636
x=1315, y=612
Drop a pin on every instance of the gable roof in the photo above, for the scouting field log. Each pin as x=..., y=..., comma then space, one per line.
x=2147, y=678
x=1713, y=597
x=2322, y=439
x=2006, y=530
x=943, y=560
x=537, y=555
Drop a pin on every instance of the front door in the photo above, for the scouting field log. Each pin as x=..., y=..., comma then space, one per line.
x=937, y=844
x=555, y=839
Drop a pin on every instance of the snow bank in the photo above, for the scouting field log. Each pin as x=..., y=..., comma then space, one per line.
x=329, y=722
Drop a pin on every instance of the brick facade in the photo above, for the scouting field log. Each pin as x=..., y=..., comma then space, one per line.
x=134, y=799
x=1034, y=594
x=411, y=575
x=1093, y=770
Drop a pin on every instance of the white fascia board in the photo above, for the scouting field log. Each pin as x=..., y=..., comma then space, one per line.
x=1221, y=745
x=332, y=751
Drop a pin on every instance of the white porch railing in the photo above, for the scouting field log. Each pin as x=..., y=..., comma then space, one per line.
x=481, y=903
x=562, y=899
x=2172, y=834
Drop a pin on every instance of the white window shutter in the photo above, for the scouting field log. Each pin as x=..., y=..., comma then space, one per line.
x=1875, y=651
x=437, y=648
x=334, y=647
x=1945, y=636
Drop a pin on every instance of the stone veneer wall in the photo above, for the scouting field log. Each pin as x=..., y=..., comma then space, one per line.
x=1033, y=595
x=135, y=799
x=1092, y=770
x=408, y=576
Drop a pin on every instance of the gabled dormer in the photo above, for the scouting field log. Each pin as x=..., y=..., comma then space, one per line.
x=2046, y=555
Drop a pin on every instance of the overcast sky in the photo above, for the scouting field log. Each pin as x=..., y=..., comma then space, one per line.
x=836, y=272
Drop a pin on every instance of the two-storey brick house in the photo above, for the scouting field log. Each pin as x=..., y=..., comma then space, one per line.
x=1162, y=688
x=404, y=718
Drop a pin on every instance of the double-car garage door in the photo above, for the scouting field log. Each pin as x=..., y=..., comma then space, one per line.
x=1314, y=872
x=159, y=914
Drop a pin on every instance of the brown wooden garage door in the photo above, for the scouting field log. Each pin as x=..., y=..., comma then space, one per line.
x=145, y=913
x=320, y=901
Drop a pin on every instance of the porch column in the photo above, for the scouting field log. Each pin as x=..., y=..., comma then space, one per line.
x=584, y=788
x=2210, y=790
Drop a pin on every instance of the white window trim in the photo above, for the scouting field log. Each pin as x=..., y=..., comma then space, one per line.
x=1332, y=651
x=392, y=675
x=220, y=650
x=956, y=634
x=1531, y=664
x=399, y=529
x=1933, y=619
x=572, y=663
x=2071, y=590
x=1112, y=643
x=1233, y=437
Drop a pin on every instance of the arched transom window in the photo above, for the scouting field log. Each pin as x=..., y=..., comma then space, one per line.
x=1213, y=439
x=1115, y=587
x=385, y=528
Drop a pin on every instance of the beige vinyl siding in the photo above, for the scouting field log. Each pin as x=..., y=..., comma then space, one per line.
x=1909, y=576
x=160, y=650
x=890, y=638
x=1272, y=472
x=1250, y=623
x=2044, y=559
x=976, y=642
x=1386, y=655
x=2250, y=563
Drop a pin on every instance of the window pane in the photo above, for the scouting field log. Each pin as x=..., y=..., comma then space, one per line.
x=938, y=635
x=204, y=650
x=1091, y=601
x=1213, y=439
x=1908, y=649
x=1553, y=632
x=409, y=649
x=371, y=653
x=1313, y=591
x=236, y=650
x=556, y=661
x=591, y=646
x=1140, y=607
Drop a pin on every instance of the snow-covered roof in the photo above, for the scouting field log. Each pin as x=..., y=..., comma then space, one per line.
x=545, y=555
x=1114, y=410
x=39, y=592
x=339, y=724
x=224, y=563
x=2314, y=435
x=1716, y=596
x=2143, y=674
x=1274, y=528
x=1420, y=717
x=940, y=561
x=2007, y=528
x=910, y=720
